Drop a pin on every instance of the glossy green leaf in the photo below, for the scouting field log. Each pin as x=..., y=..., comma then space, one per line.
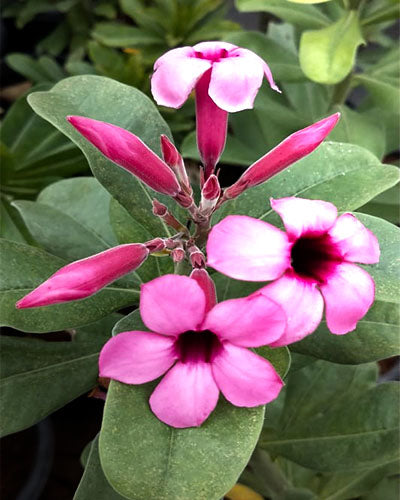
x=305, y=16
x=93, y=483
x=110, y=101
x=376, y=337
x=344, y=174
x=23, y=268
x=38, y=377
x=336, y=419
x=328, y=55
x=202, y=462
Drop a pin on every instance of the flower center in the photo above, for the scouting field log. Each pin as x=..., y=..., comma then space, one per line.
x=315, y=258
x=197, y=346
x=213, y=55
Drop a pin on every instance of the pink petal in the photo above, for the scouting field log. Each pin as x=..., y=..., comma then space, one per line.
x=176, y=74
x=186, y=396
x=248, y=249
x=293, y=148
x=244, y=378
x=172, y=304
x=348, y=293
x=355, y=242
x=136, y=357
x=303, y=217
x=302, y=303
x=129, y=152
x=212, y=50
x=250, y=322
x=235, y=81
x=85, y=277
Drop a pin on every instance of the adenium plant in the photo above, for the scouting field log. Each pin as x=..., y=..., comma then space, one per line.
x=200, y=350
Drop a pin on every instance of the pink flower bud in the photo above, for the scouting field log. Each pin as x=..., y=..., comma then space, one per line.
x=293, y=148
x=85, y=277
x=174, y=160
x=209, y=195
x=159, y=209
x=129, y=152
x=178, y=254
x=156, y=245
x=211, y=126
x=196, y=257
x=207, y=285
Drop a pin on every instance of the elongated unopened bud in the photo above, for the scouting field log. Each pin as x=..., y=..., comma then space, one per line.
x=85, y=277
x=174, y=160
x=211, y=126
x=209, y=195
x=207, y=285
x=129, y=152
x=293, y=148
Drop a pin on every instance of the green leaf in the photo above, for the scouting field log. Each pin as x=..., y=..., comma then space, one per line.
x=386, y=273
x=328, y=55
x=110, y=101
x=376, y=337
x=44, y=223
x=359, y=128
x=336, y=419
x=121, y=35
x=36, y=152
x=93, y=483
x=23, y=268
x=384, y=91
x=38, y=377
x=283, y=63
x=201, y=462
x=305, y=16
x=85, y=200
x=344, y=174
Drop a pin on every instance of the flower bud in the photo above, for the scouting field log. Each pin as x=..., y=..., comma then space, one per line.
x=129, y=152
x=85, y=277
x=174, y=160
x=209, y=195
x=207, y=285
x=292, y=149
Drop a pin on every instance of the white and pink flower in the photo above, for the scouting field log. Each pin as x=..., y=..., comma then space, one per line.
x=226, y=79
x=312, y=263
x=199, y=346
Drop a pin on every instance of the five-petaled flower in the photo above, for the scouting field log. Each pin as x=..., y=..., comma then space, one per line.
x=226, y=79
x=313, y=261
x=200, y=346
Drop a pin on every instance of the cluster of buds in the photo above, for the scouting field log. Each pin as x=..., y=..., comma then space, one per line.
x=226, y=79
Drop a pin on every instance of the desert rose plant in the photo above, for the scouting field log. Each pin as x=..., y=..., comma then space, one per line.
x=190, y=377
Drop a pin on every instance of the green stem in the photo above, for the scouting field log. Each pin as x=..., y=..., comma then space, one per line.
x=341, y=90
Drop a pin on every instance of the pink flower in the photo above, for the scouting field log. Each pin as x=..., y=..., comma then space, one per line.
x=129, y=152
x=235, y=77
x=199, y=347
x=312, y=263
x=226, y=79
x=85, y=277
x=293, y=148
